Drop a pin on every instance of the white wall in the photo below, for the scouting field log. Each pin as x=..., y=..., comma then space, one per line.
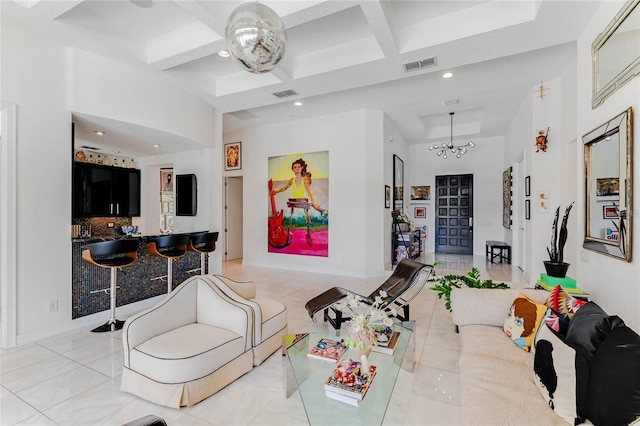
x=106, y=88
x=37, y=76
x=613, y=283
x=548, y=170
x=356, y=205
x=485, y=162
x=43, y=177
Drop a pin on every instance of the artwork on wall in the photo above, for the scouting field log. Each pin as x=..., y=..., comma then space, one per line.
x=543, y=201
x=527, y=186
x=527, y=209
x=419, y=212
x=233, y=156
x=610, y=212
x=387, y=197
x=298, y=218
x=420, y=193
x=607, y=186
x=506, y=198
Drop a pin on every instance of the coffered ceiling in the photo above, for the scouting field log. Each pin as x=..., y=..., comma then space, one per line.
x=341, y=55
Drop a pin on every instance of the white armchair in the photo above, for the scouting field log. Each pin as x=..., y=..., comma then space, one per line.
x=269, y=316
x=188, y=347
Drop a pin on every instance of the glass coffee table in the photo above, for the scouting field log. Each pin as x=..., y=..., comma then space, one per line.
x=308, y=376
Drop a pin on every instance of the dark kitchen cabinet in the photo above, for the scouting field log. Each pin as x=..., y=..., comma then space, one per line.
x=105, y=191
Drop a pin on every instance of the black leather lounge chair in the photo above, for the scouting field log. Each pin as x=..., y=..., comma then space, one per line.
x=402, y=286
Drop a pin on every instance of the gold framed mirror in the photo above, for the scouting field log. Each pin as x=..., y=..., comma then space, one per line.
x=608, y=173
x=616, y=53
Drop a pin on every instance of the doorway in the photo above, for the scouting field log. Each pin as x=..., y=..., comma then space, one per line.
x=454, y=214
x=233, y=218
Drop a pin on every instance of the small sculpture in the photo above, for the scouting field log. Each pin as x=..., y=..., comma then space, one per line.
x=541, y=140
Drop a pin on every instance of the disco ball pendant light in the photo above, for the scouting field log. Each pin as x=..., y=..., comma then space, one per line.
x=458, y=150
x=255, y=37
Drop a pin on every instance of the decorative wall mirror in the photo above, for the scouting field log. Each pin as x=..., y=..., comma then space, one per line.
x=616, y=52
x=398, y=183
x=608, y=168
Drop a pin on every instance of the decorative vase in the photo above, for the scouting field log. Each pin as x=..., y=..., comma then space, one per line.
x=359, y=353
x=556, y=269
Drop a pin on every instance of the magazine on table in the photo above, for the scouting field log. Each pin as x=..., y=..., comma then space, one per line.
x=327, y=350
x=387, y=345
x=348, y=380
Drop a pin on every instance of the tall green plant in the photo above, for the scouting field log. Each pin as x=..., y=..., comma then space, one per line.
x=556, y=251
x=444, y=284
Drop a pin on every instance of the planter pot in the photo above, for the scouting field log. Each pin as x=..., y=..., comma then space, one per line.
x=555, y=269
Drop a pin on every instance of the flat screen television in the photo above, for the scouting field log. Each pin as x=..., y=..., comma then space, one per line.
x=186, y=195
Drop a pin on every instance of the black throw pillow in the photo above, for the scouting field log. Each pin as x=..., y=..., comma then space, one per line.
x=588, y=328
x=614, y=382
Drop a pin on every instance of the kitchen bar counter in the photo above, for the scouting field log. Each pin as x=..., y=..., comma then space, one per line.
x=136, y=282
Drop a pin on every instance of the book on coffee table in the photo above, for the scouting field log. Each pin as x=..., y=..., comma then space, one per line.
x=348, y=381
x=327, y=350
x=389, y=345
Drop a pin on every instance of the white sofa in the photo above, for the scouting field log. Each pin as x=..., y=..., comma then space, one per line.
x=269, y=316
x=188, y=347
x=496, y=377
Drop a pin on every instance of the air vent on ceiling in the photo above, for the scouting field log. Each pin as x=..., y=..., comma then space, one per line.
x=243, y=114
x=93, y=148
x=285, y=93
x=422, y=63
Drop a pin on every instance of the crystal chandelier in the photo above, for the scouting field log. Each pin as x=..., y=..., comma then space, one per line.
x=458, y=150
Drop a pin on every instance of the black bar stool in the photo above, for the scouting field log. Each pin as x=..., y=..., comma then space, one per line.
x=170, y=247
x=113, y=255
x=203, y=243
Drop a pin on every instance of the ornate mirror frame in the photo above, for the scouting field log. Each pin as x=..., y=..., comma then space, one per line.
x=608, y=177
x=398, y=183
x=616, y=53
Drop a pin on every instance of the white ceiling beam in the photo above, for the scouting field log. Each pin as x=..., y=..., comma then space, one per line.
x=379, y=22
x=53, y=9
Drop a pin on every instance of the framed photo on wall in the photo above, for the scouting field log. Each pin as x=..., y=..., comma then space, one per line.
x=527, y=209
x=609, y=212
x=233, y=156
x=527, y=186
x=387, y=197
x=419, y=212
x=421, y=193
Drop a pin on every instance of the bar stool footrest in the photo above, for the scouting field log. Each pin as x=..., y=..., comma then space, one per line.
x=106, y=327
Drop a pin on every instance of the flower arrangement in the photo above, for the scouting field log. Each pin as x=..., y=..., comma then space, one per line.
x=366, y=320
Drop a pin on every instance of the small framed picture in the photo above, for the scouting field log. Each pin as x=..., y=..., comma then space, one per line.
x=387, y=197
x=527, y=186
x=421, y=192
x=419, y=212
x=609, y=212
x=527, y=209
x=233, y=156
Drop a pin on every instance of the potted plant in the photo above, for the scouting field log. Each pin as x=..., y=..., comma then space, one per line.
x=446, y=283
x=555, y=266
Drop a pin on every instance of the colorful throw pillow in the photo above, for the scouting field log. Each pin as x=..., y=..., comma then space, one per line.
x=555, y=373
x=521, y=325
x=557, y=322
x=563, y=303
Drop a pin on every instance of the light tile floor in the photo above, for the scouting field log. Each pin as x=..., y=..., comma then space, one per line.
x=74, y=379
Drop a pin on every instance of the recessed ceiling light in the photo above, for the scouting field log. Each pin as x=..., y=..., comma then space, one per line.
x=297, y=103
x=447, y=75
x=223, y=53
x=100, y=132
x=155, y=145
x=115, y=151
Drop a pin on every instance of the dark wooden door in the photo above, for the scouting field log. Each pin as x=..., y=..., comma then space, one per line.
x=454, y=214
